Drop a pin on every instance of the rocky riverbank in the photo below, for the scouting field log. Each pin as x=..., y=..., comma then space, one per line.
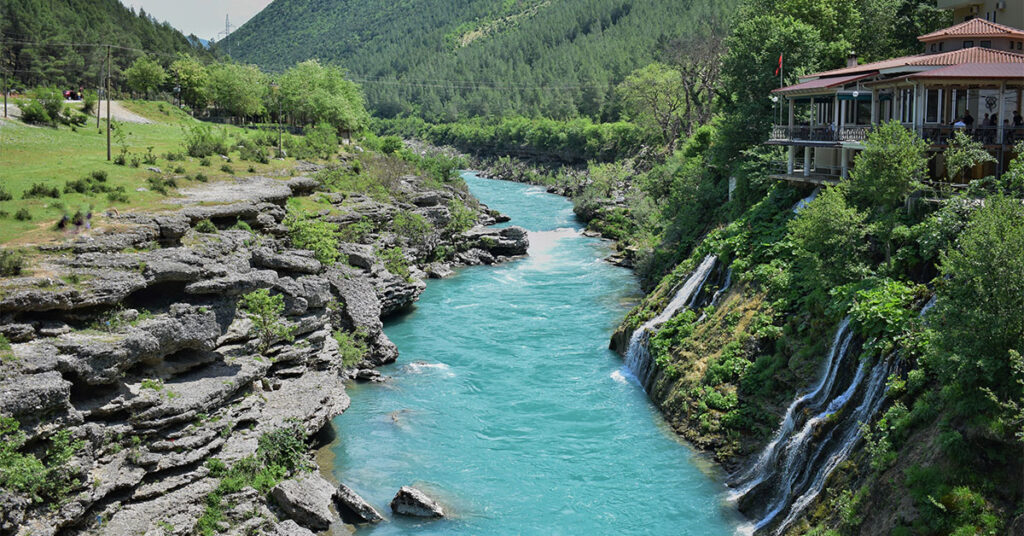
x=133, y=340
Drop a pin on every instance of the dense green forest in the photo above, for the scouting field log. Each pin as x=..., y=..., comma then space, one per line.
x=24, y=23
x=447, y=61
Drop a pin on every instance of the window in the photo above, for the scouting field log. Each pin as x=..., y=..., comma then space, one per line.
x=907, y=105
x=1019, y=45
x=941, y=45
x=934, y=48
x=968, y=44
x=986, y=44
x=933, y=106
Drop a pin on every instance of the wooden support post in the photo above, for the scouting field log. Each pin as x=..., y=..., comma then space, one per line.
x=807, y=161
x=791, y=163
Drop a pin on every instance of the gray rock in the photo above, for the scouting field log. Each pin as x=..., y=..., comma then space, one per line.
x=292, y=260
x=302, y=185
x=508, y=241
x=410, y=501
x=18, y=332
x=234, y=284
x=12, y=512
x=440, y=271
x=349, y=502
x=290, y=528
x=307, y=500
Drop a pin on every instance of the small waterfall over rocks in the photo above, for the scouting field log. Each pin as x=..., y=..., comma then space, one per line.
x=818, y=433
x=638, y=357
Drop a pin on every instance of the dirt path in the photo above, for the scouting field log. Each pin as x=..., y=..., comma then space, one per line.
x=117, y=112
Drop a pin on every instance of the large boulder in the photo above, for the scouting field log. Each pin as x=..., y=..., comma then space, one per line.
x=290, y=528
x=410, y=501
x=349, y=502
x=307, y=500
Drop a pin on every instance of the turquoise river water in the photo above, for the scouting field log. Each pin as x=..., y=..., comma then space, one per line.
x=507, y=406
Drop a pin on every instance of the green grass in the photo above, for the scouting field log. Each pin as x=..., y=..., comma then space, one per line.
x=52, y=157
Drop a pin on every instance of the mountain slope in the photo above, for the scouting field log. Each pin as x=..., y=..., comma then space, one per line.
x=450, y=60
x=82, y=22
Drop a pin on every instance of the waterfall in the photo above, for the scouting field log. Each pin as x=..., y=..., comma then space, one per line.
x=638, y=357
x=792, y=470
x=801, y=204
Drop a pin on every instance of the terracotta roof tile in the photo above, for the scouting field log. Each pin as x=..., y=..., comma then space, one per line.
x=974, y=28
x=953, y=57
x=976, y=70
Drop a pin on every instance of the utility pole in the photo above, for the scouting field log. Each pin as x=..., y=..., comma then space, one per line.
x=108, y=103
x=3, y=47
x=99, y=97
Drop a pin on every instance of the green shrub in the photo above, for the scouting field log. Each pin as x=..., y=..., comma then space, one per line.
x=11, y=263
x=390, y=144
x=202, y=141
x=157, y=184
x=394, y=261
x=5, y=345
x=117, y=195
x=265, y=311
x=89, y=100
x=23, y=214
x=414, y=228
x=206, y=226
x=462, y=217
x=205, y=162
x=34, y=113
x=284, y=447
x=316, y=235
x=241, y=225
x=201, y=177
x=49, y=482
x=180, y=170
x=351, y=348
x=358, y=231
x=322, y=140
x=4, y=194
x=252, y=151
x=39, y=190
x=226, y=168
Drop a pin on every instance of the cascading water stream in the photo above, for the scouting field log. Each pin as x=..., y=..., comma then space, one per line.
x=810, y=456
x=638, y=357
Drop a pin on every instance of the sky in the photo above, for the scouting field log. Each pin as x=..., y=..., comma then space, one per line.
x=205, y=18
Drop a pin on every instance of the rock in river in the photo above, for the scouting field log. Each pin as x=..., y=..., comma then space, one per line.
x=349, y=501
x=412, y=502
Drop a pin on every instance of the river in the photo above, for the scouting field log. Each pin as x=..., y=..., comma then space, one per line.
x=507, y=406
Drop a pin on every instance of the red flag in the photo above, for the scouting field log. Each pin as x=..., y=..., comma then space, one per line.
x=778, y=69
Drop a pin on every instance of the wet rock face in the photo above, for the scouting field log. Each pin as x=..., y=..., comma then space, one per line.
x=410, y=501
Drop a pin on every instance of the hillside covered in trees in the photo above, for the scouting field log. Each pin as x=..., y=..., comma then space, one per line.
x=447, y=61
x=24, y=23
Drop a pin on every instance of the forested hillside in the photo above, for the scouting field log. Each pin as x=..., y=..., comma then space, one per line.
x=447, y=61
x=24, y=23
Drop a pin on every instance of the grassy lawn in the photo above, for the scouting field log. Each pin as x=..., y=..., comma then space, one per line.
x=52, y=157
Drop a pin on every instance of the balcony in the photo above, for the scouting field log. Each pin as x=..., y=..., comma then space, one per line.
x=818, y=135
x=937, y=136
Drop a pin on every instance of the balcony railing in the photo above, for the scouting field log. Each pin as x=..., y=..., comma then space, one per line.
x=936, y=135
x=825, y=133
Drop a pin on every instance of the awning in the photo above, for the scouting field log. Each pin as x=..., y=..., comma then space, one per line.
x=824, y=83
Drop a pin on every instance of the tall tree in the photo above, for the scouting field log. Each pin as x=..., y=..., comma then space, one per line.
x=145, y=75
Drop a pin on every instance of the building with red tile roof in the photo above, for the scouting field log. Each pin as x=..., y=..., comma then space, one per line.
x=970, y=76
